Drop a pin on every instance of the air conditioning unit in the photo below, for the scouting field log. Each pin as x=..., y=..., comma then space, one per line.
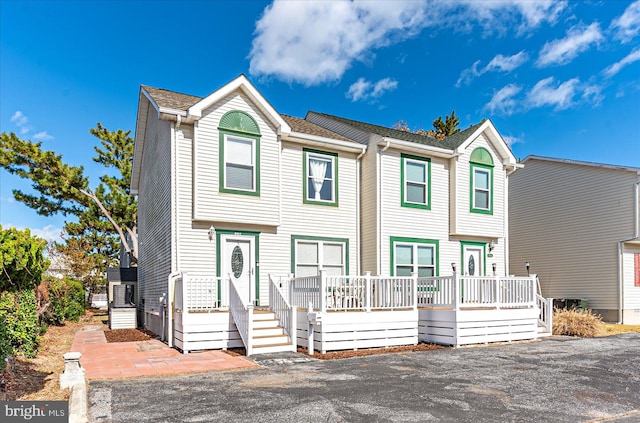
x=123, y=296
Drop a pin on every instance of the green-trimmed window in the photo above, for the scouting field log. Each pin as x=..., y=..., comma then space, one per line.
x=481, y=175
x=239, y=154
x=409, y=255
x=320, y=177
x=309, y=255
x=416, y=181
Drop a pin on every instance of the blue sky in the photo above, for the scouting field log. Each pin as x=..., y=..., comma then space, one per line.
x=557, y=78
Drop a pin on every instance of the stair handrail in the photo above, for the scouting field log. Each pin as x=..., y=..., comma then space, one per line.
x=285, y=313
x=242, y=314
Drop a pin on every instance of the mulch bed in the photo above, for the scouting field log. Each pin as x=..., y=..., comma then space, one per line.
x=128, y=335
x=336, y=355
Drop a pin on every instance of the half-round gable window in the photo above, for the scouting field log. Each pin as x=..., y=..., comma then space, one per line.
x=239, y=121
x=481, y=156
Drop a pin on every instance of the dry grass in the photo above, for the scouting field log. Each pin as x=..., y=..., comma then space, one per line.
x=585, y=323
x=615, y=329
x=38, y=378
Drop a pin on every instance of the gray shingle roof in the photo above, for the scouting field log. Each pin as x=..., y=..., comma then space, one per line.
x=306, y=127
x=171, y=99
x=451, y=142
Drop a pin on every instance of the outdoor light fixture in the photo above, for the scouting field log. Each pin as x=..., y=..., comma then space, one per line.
x=492, y=245
x=527, y=265
x=212, y=231
x=453, y=266
x=493, y=266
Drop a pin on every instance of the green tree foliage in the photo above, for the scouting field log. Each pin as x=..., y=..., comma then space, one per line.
x=18, y=323
x=450, y=125
x=103, y=213
x=442, y=129
x=22, y=260
x=66, y=297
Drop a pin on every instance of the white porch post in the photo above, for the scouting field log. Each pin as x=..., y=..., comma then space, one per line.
x=290, y=286
x=456, y=291
x=367, y=292
x=322, y=293
x=309, y=330
x=498, y=299
x=414, y=290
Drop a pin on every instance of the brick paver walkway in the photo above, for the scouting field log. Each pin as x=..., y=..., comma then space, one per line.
x=103, y=360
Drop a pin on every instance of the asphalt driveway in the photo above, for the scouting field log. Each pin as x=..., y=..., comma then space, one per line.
x=557, y=379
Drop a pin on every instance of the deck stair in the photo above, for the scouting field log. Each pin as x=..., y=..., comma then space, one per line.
x=268, y=335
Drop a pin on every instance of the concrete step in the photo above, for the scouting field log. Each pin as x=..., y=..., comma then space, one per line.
x=270, y=340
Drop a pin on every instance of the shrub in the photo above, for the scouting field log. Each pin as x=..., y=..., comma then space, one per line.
x=19, y=325
x=66, y=298
x=21, y=259
x=574, y=322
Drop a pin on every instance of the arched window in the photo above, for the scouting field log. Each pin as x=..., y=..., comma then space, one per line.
x=481, y=181
x=239, y=154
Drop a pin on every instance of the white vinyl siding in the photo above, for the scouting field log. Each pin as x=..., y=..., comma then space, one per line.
x=566, y=220
x=240, y=161
x=154, y=218
x=212, y=205
x=478, y=222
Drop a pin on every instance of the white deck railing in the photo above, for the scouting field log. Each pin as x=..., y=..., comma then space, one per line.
x=545, y=318
x=202, y=292
x=285, y=313
x=477, y=291
x=344, y=293
x=242, y=314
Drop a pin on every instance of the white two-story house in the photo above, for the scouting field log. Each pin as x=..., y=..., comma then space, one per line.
x=242, y=208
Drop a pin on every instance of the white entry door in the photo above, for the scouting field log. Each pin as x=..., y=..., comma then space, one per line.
x=238, y=263
x=473, y=260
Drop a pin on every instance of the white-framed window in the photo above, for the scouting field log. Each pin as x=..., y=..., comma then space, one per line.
x=413, y=255
x=481, y=188
x=321, y=177
x=239, y=163
x=312, y=255
x=415, y=181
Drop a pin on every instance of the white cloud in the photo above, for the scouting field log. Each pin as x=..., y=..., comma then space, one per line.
x=499, y=63
x=562, y=51
x=364, y=90
x=632, y=57
x=316, y=42
x=495, y=16
x=502, y=63
x=544, y=93
x=21, y=121
x=43, y=136
x=503, y=101
x=510, y=139
x=627, y=25
x=49, y=232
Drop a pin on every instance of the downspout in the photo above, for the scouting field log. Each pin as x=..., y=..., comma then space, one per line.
x=358, y=240
x=506, y=219
x=636, y=235
x=169, y=297
x=381, y=180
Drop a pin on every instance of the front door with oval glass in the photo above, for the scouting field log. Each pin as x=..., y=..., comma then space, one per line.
x=238, y=264
x=473, y=257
